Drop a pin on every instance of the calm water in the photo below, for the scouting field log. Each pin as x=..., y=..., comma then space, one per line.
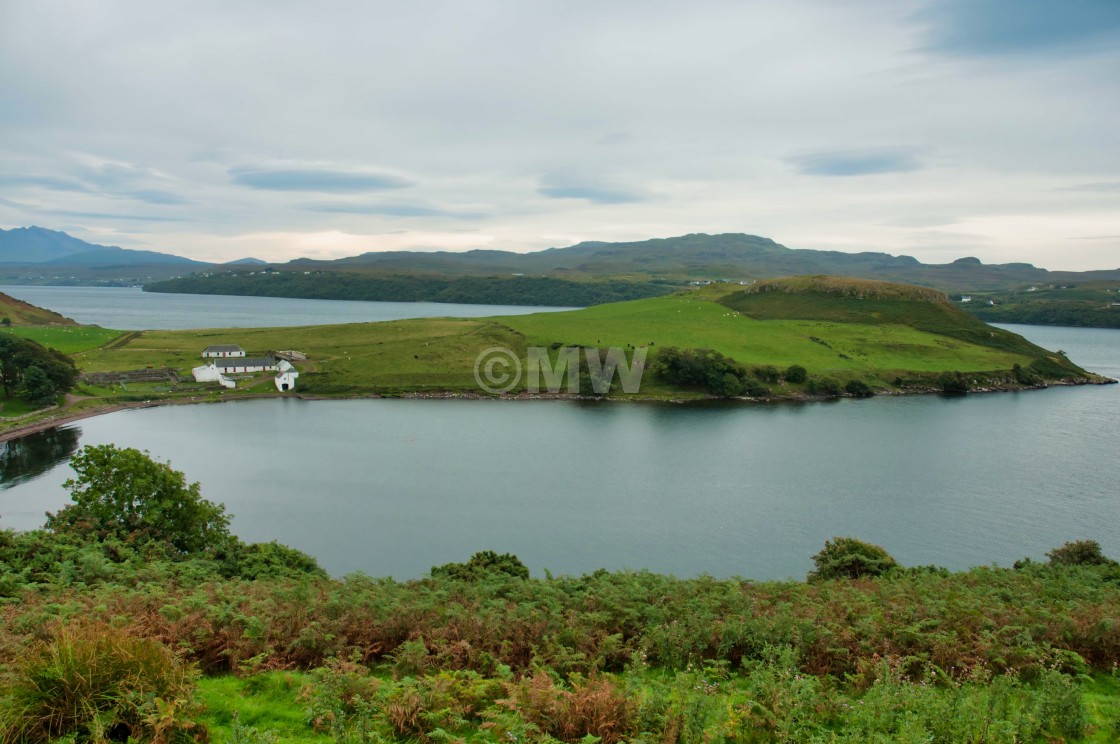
x=129, y=309
x=391, y=487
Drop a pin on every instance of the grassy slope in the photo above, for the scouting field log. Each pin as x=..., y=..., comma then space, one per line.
x=67, y=339
x=695, y=322
x=22, y=313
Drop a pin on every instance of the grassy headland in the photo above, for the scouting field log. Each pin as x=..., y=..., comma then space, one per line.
x=848, y=336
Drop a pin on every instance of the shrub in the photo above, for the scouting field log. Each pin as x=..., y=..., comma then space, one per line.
x=768, y=373
x=269, y=560
x=952, y=383
x=847, y=557
x=1079, y=553
x=720, y=375
x=484, y=565
x=98, y=683
x=858, y=389
x=826, y=386
x=796, y=374
x=593, y=707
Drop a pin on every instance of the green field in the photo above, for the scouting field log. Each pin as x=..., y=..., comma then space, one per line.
x=690, y=322
x=67, y=339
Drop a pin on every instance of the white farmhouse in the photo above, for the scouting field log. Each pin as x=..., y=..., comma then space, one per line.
x=286, y=376
x=223, y=351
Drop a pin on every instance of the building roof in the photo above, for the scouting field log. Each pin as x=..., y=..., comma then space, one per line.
x=222, y=348
x=246, y=362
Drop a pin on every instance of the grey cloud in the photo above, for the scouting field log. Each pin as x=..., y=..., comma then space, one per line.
x=997, y=27
x=155, y=196
x=392, y=210
x=855, y=162
x=44, y=182
x=316, y=179
x=589, y=189
x=116, y=216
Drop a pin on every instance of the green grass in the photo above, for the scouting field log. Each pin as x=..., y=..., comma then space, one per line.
x=265, y=702
x=12, y=407
x=1102, y=702
x=67, y=339
x=692, y=322
x=278, y=704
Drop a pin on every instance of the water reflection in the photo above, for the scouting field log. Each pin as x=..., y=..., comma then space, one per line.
x=26, y=458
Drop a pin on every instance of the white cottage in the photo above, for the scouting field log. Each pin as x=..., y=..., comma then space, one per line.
x=223, y=351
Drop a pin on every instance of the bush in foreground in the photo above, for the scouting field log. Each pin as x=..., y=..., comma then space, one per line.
x=849, y=558
x=98, y=684
x=482, y=565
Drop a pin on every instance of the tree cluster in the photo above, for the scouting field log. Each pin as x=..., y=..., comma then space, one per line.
x=32, y=371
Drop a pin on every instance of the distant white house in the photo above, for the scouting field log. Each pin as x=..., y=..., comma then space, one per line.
x=247, y=364
x=966, y=298
x=223, y=351
x=286, y=376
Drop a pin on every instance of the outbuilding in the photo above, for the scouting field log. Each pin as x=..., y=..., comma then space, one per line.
x=248, y=364
x=286, y=376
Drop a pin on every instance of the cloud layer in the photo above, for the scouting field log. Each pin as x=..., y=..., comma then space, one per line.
x=935, y=129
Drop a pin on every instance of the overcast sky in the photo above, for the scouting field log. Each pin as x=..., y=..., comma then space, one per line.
x=277, y=129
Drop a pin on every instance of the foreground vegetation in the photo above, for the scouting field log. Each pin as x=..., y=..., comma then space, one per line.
x=134, y=613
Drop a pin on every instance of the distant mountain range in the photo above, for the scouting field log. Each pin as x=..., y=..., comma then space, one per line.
x=51, y=248
x=731, y=256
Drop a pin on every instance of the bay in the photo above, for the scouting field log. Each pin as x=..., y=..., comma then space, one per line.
x=392, y=487
x=131, y=309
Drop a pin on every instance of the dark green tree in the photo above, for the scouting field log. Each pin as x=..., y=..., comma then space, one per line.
x=953, y=383
x=796, y=374
x=125, y=494
x=849, y=558
x=36, y=387
x=18, y=354
x=858, y=389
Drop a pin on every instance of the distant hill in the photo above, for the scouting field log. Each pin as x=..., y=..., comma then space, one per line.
x=40, y=246
x=20, y=313
x=121, y=257
x=733, y=256
x=246, y=261
x=638, y=269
